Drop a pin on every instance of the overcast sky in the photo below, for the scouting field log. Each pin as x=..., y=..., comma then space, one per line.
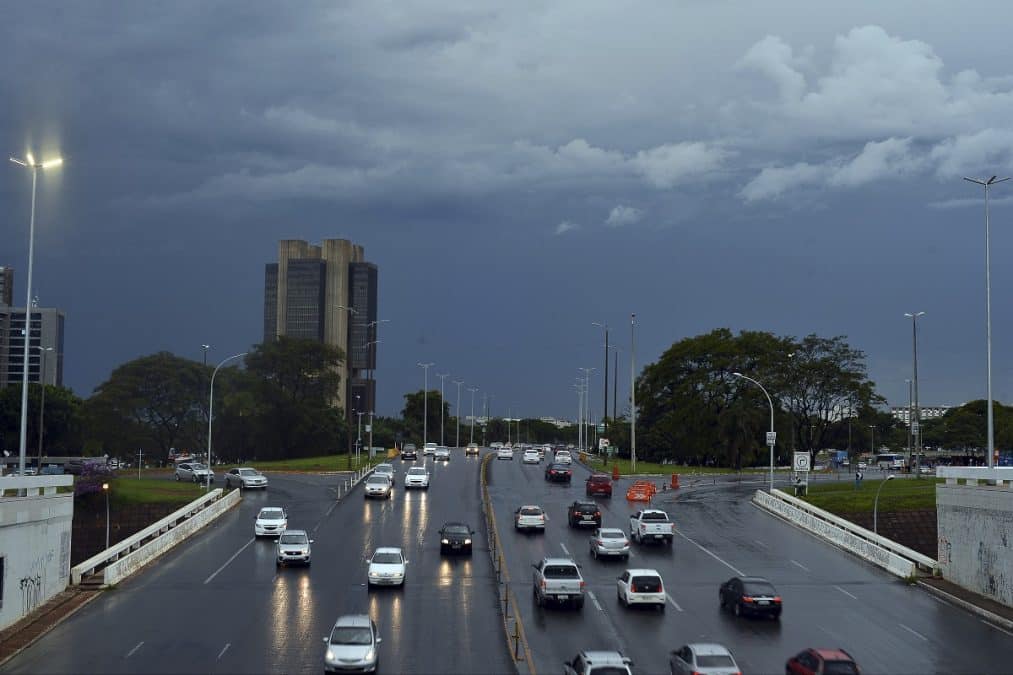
x=517, y=171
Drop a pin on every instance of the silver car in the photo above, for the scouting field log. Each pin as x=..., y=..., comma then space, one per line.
x=384, y=470
x=245, y=478
x=378, y=486
x=610, y=542
x=293, y=547
x=194, y=471
x=442, y=453
x=705, y=659
x=353, y=645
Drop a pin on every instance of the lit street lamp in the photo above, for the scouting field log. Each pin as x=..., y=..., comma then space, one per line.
x=988, y=312
x=105, y=489
x=29, y=163
x=205, y=348
x=425, y=403
x=211, y=408
x=875, y=504
x=770, y=437
x=633, y=398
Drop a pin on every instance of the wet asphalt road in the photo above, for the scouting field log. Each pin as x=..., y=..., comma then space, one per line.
x=217, y=604
x=831, y=599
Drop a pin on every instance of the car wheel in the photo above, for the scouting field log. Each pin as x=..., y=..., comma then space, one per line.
x=737, y=609
x=537, y=599
x=661, y=608
x=594, y=553
x=177, y=477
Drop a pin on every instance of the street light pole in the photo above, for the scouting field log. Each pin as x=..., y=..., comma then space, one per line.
x=633, y=398
x=358, y=440
x=211, y=408
x=42, y=405
x=910, y=423
x=457, y=413
x=347, y=397
x=872, y=441
x=105, y=489
x=770, y=402
x=29, y=163
x=471, y=437
x=916, y=423
x=443, y=380
x=875, y=505
x=605, y=394
x=425, y=403
x=988, y=312
x=205, y=348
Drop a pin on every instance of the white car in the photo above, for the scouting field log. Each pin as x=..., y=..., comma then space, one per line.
x=472, y=449
x=702, y=658
x=384, y=470
x=386, y=567
x=293, y=547
x=379, y=486
x=271, y=522
x=529, y=517
x=352, y=645
x=562, y=457
x=429, y=449
x=641, y=587
x=442, y=453
x=505, y=453
x=417, y=477
x=531, y=457
x=245, y=478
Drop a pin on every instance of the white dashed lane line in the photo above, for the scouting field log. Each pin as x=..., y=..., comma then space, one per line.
x=563, y=546
x=224, y=649
x=711, y=554
x=674, y=603
x=853, y=597
x=234, y=556
x=594, y=600
x=134, y=650
x=798, y=564
x=913, y=632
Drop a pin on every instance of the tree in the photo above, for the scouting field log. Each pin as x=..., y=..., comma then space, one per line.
x=61, y=419
x=412, y=414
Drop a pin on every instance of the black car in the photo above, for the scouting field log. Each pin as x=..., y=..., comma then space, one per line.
x=558, y=473
x=408, y=451
x=583, y=513
x=456, y=538
x=753, y=596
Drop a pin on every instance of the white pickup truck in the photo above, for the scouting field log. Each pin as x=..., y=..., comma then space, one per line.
x=558, y=580
x=651, y=525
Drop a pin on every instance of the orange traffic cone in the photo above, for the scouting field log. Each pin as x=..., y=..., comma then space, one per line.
x=615, y=472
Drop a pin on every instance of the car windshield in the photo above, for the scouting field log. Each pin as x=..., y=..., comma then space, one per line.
x=839, y=668
x=377, y=480
x=249, y=472
x=272, y=514
x=348, y=635
x=610, y=670
x=758, y=588
x=585, y=506
x=599, y=479
x=715, y=661
x=292, y=539
x=197, y=466
x=409, y=446
x=387, y=558
x=416, y=471
x=656, y=515
x=559, y=467
x=560, y=572
x=456, y=529
x=384, y=468
x=612, y=534
x=531, y=511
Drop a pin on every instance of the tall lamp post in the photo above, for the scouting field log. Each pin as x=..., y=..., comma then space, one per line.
x=29, y=163
x=211, y=408
x=425, y=403
x=443, y=380
x=770, y=436
x=587, y=405
x=910, y=424
x=348, y=393
x=374, y=328
x=457, y=413
x=205, y=348
x=42, y=405
x=875, y=504
x=988, y=311
x=633, y=398
x=471, y=438
x=105, y=489
x=916, y=423
x=872, y=441
x=605, y=394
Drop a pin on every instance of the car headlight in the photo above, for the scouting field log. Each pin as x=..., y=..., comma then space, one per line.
x=370, y=655
x=467, y=541
x=444, y=541
x=330, y=654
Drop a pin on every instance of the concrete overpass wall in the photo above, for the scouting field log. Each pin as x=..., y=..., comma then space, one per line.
x=976, y=530
x=34, y=543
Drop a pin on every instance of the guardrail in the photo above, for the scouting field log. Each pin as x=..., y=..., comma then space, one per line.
x=999, y=476
x=888, y=554
x=33, y=486
x=516, y=639
x=123, y=558
x=348, y=484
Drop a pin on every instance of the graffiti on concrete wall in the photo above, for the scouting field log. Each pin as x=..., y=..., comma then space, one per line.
x=33, y=583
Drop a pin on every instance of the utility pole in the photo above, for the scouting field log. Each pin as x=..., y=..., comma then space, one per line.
x=471, y=438
x=916, y=423
x=633, y=397
x=443, y=380
x=425, y=404
x=457, y=413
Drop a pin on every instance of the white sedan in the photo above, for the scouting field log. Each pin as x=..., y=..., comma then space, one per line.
x=505, y=453
x=531, y=457
x=386, y=567
x=442, y=453
x=562, y=457
x=641, y=587
x=417, y=477
x=271, y=522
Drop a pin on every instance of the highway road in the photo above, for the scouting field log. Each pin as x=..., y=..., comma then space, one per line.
x=217, y=604
x=831, y=599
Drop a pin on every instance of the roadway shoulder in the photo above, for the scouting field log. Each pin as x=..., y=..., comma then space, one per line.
x=991, y=611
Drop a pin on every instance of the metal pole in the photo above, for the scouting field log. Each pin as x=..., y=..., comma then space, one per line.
x=28, y=331
x=425, y=405
x=443, y=381
x=457, y=413
x=872, y=441
x=910, y=423
x=875, y=505
x=615, y=387
x=770, y=402
x=106, y=486
x=471, y=436
x=42, y=406
x=211, y=408
x=371, y=431
x=605, y=389
x=633, y=398
x=916, y=426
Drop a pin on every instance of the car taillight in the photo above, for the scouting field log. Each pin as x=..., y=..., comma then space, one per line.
x=746, y=598
x=543, y=584
x=597, y=514
x=583, y=583
x=599, y=542
x=777, y=599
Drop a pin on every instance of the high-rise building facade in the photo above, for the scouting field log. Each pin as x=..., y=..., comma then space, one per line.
x=6, y=286
x=45, y=356
x=310, y=292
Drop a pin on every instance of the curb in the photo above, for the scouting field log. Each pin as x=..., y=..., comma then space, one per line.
x=989, y=617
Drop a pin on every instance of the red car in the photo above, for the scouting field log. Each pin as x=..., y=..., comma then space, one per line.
x=822, y=662
x=598, y=484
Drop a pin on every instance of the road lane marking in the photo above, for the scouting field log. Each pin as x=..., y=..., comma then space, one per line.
x=993, y=625
x=761, y=543
x=594, y=600
x=134, y=650
x=234, y=556
x=713, y=555
x=913, y=632
x=224, y=649
x=563, y=546
x=846, y=593
x=795, y=562
x=674, y=603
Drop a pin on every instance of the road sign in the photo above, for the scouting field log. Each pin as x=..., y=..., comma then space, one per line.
x=601, y=428
x=800, y=462
x=369, y=427
x=603, y=443
x=771, y=438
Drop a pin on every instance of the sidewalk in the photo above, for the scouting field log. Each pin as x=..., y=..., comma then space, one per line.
x=21, y=635
x=989, y=610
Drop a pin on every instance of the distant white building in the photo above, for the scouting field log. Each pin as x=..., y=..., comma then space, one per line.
x=560, y=424
x=928, y=412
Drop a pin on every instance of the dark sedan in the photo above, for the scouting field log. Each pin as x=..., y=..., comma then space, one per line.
x=558, y=473
x=752, y=596
x=456, y=538
x=583, y=513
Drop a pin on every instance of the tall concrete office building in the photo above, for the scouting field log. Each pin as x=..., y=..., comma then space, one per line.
x=6, y=286
x=45, y=358
x=305, y=294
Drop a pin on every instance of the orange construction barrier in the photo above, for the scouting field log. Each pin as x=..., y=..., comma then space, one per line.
x=615, y=472
x=641, y=491
x=675, y=481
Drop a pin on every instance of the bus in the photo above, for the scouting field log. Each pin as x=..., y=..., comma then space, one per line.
x=890, y=461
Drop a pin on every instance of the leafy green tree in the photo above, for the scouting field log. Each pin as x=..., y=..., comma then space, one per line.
x=415, y=404
x=61, y=420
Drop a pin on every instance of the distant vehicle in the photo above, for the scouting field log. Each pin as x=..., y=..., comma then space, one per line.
x=271, y=522
x=456, y=537
x=245, y=478
x=384, y=470
x=409, y=451
x=750, y=596
x=531, y=457
x=195, y=472
x=505, y=452
x=641, y=587
x=293, y=547
x=529, y=517
x=496, y=446
x=598, y=663
x=417, y=477
x=472, y=449
x=387, y=567
x=702, y=659
x=926, y=470
x=429, y=449
x=378, y=486
x=353, y=644
x=562, y=457
x=80, y=465
x=889, y=461
x=651, y=525
x=583, y=513
x=822, y=662
x=598, y=484
x=442, y=453
x=51, y=470
x=558, y=473
x=558, y=580
x=610, y=542
x=862, y=466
